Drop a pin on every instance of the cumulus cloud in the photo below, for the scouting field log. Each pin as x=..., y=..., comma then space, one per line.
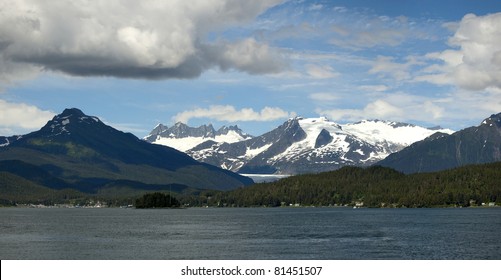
x=138, y=39
x=474, y=63
x=16, y=117
x=230, y=114
x=248, y=55
x=11, y=72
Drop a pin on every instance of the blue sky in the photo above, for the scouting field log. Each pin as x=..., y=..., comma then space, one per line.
x=252, y=63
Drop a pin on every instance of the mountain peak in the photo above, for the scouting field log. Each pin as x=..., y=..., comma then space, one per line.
x=472, y=145
x=86, y=154
x=184, y=137
x=158, y=129
x=492, y=121
x=76, y=115
x=225, y=130
x=66, y=122
x=72, y=112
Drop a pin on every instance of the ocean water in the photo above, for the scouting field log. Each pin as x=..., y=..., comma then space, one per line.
x=250, y=233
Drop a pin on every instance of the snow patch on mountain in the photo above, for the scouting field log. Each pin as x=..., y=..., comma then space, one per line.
x=6, y=141
x=251, y=153
x=181, y=144
x=231, y=136
x=397, y=135
x=340, y=143
x=314, y=126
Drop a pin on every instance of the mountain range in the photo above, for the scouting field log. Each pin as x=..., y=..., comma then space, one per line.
x=183, y=137
x=77, y=151
x=473, y=145
x=75, y=154
x=300, y=145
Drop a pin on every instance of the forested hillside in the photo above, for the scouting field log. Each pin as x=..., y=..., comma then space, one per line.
x=375, y=187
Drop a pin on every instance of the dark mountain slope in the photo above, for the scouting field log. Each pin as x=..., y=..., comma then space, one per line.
x=474, y=145
x=87, y=154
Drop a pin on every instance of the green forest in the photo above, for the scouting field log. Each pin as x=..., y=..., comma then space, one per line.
x=156, y=200
x=376, y=186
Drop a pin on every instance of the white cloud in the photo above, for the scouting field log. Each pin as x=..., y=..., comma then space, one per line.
x=383, y=109
x=138, y=39
x=315, y=7
x=323, y=96
x=451, y=110
x=385, y=66
x=374, y=88
x=250, y=56
x=394, y=107
x=474, y=63
x=372, y=31
x=321, y=71
x=20, y=118
x=230, y=114
x=379, y=109
x=461, y=104
x=291, y=86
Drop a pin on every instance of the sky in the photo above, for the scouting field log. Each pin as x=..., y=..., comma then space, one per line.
x=135, y=64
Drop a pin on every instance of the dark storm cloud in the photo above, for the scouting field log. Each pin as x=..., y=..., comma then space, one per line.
x=131, y=39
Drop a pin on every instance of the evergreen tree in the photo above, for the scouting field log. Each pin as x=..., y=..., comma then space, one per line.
x=156, y=200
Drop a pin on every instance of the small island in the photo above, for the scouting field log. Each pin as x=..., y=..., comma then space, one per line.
x=157, y=200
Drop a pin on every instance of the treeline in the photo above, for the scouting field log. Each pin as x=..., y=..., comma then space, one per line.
x=156, y=200
x=374, y=187
x=17, y=190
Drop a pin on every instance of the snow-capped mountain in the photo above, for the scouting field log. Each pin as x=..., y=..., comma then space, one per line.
x=183, y=137
x=305, y=145
x=394, y=136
